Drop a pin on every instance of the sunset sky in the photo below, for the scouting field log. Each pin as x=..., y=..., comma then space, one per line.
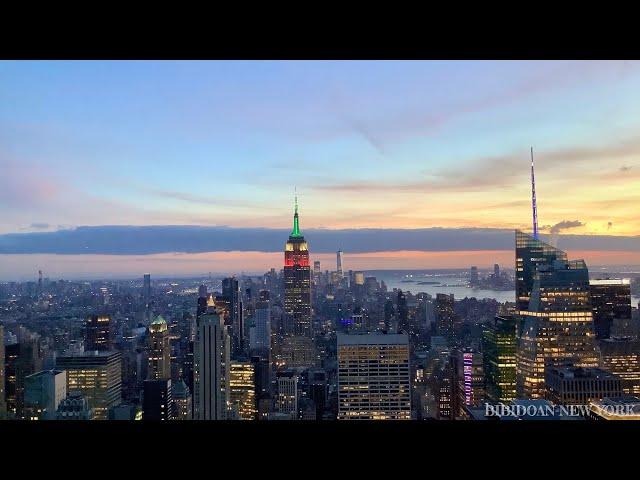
x=367, y=144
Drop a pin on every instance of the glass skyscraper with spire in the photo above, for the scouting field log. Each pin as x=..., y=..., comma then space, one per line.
x=556, y=320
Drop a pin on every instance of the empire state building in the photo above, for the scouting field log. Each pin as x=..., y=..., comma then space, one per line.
x=297, y=281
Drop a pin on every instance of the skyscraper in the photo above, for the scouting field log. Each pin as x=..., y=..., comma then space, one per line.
x=621, y=356
x=182, y=401
x=339, y=263
x=531, y=252
x=262, y=373
x=211, y=366
x=580, y=386
x=499, y=356
x=373, y=377
x=23, y=358
x=260, y=333
x=287, y=402
x=297, y=280
x=557, y=326
x=242, y=390
x=474, y=280
x=611, y=300
x=232, y=299
x=146, y=288
x=296, y=351
x=157, y=401
x=3, y=400
x=445, y=315
x=159, y=366
x=471, y=380
x=97, y=376
x=98, y=333
x=43, y=392
x=202, y=291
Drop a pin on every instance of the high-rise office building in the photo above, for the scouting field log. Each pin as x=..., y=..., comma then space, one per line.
x=499, y=344
x=611, y=300
x=297, y=352
x=159, y=366
x=621, y=356
x=531, y=252
x=474, y=279
x=98, y=333
x=157, y=403
x=11, y=353
x=557, y=326
x=182, y=401
x=146, y=288
x=580, y=386
x=287, y=401
x=260, y=333
x=96, y=375
x=232, y=299
x=339, y=263
x=316, y=268
x=43, y=392
x=242, y=390
x=297, y=281
x=3, y=400
x=202, y=291
x=470, y=376
x=211, y=366
x=445, y=315
x=262, y=373
x=373, y=377
x=22, y=358
x=318, y=390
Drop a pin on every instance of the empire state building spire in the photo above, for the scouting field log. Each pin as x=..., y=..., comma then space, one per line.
x=296, y=227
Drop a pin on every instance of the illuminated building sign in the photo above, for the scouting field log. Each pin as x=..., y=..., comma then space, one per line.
x=467, y=362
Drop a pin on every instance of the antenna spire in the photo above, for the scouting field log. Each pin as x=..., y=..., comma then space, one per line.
x=296, y=227
x=533, y=199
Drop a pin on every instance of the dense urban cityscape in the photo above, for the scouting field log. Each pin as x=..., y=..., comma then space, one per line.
x=302, y=343
x=318, y=241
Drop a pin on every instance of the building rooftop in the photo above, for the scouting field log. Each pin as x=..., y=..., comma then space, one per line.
x=373, y=339
x=158, y=325
x=578, y=372
x=610, y=281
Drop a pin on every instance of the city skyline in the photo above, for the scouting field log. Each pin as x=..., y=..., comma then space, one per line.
x=367, y=144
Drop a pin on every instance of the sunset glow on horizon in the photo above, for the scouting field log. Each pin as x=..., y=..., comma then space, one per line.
x=391, y=144
x=201, y=264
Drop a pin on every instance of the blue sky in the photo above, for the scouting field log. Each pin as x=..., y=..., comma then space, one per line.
x=368, y=144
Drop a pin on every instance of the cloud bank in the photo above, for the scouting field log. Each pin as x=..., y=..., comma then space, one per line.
x=145, y=240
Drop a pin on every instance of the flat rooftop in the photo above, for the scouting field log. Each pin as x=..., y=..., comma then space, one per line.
x=373, y=339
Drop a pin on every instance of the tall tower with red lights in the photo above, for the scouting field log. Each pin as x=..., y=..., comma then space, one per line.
x=297, y=281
